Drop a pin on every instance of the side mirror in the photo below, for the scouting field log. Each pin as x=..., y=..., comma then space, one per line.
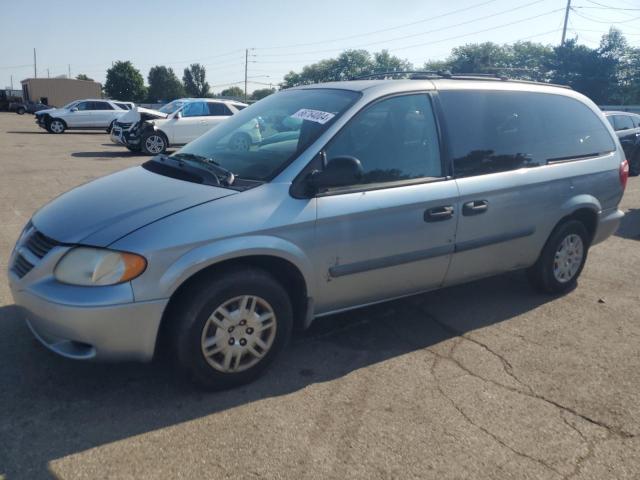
x=339, y=172
x=74, y=109
x=178, y=115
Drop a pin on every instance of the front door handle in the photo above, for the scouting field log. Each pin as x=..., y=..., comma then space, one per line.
x=475, y=207
x=437, y=214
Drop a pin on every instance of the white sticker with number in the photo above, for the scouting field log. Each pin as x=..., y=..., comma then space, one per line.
x=317, y=116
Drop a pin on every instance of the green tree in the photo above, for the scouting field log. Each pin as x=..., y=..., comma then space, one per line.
x=232, y=92
x=124, y=82
x=261, y=93
x=349, y=64
x=82, y=76
x=163, y=84
x=195, y=81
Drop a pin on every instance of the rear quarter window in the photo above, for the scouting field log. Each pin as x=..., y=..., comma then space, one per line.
x=497, y=131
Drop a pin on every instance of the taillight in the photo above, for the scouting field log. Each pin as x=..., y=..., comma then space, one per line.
x=624, y=173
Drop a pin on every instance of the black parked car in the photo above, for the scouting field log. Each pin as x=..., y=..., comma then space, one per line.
x=627, y=127
x=27, y=107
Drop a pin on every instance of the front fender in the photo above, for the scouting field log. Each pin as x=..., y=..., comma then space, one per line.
x=232, y=248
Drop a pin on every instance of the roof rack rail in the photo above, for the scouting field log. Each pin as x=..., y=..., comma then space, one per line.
x=437, y=74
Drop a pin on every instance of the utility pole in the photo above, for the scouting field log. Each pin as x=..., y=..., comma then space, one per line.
x=48, y=73
x=69, y=69
x=11, y=82
x=566, y=20
x=246, y=65
x=35, y=65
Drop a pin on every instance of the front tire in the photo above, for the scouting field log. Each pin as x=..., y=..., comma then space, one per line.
x=229, y=328
x=153, y=143
x=20, y=111
x=56, y=126
x=562, y=259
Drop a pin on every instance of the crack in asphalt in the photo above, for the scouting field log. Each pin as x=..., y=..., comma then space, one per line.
x=508, y=368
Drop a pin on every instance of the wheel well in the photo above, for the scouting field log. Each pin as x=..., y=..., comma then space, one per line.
x=284, y=272
x=588, y=217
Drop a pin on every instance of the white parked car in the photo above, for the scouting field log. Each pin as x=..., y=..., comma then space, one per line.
x=88, y=114
x=178, y=123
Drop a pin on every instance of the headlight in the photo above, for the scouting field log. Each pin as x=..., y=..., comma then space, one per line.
x=96, y=266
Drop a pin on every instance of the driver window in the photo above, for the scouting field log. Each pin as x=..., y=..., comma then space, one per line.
x=394, y=139
x=83, y=106
x=195, y=109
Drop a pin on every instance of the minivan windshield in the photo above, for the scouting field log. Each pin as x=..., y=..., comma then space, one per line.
x=259, y=141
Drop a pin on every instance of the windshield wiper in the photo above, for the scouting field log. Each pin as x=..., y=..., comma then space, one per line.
x=206, y=175
x=224, y=175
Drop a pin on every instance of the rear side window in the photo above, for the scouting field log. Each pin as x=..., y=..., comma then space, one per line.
x=622, y=122
x=101, y=106
x=494, y=131
x=239, y=107
x=219, y=110
x=123, y=106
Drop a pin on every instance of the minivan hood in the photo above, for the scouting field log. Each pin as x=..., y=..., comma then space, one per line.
x=104, y=210
x=138, y=113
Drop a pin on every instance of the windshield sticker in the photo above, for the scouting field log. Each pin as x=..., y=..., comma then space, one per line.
x=317, y=116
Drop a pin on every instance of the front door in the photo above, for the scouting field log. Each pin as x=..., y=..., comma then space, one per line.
x=393, y=233
x=80, y=115
x=193, y=123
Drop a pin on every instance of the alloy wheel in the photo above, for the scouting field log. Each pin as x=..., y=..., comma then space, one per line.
x=154, y=144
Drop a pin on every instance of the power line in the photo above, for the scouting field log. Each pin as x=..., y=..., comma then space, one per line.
x=609, y=7
x=369, y=44
x=604, y=21
x=424, y=20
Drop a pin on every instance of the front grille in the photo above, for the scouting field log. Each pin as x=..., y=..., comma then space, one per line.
x=21, y=266
x=35, y=243
x=39, y=244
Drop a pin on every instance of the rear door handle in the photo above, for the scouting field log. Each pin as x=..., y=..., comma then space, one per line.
x=437, y=214
x=475, y=207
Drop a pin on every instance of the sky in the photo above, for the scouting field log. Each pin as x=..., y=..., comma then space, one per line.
x=282, y=35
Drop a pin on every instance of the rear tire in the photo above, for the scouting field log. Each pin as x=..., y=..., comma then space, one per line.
x=562, y=259
x=227, y=329
x=56, y=126
x=154, y=143
x=20, y=111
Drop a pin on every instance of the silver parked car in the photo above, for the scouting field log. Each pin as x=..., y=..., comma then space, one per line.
x=367, y=191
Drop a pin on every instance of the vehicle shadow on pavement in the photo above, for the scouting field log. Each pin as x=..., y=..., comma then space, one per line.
x=44, y=132
x=52, y=407
x=630, y=225
x=101, y=155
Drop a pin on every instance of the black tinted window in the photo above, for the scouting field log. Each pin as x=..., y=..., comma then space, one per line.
x=123, y=106
x=239, y=107
x=499, y=131
x=622, y=122
x=84, y=106
x=636, y=120
x=394, y=139
x=219, y=109
x=101, y=106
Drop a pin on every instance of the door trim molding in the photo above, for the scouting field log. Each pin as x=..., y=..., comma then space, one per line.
x=410, y=257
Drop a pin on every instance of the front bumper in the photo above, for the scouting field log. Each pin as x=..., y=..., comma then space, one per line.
x=83, y=332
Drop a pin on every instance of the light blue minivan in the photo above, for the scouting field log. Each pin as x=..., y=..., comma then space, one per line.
x=360, y=192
